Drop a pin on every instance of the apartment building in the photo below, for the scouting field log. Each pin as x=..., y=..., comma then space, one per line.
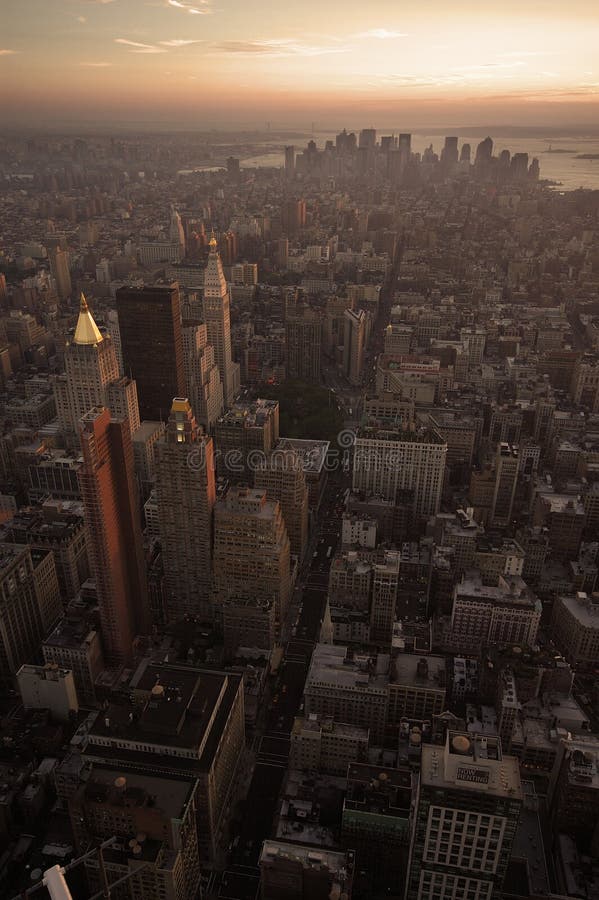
x=388, y=461
x=348, y=688
x=505, y=611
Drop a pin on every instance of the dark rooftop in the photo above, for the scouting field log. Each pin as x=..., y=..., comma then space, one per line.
x=169, y=706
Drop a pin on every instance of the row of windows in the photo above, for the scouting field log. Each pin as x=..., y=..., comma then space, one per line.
x=443, y=886
x=468, y=840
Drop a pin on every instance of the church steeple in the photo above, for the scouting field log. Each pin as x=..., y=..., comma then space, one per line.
x=86, y=332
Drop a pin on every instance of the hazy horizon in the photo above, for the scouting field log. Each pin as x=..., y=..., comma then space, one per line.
x=130, y=128
x=217, y=63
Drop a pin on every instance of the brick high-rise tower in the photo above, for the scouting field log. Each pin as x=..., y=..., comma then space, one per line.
x=112, y=515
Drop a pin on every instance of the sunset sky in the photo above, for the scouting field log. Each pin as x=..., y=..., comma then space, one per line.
x=242, y=62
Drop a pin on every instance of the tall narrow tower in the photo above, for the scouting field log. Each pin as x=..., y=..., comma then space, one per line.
x=108, y=490
x=92, y=378
x=217, y=316
x=289, y=163
x=354, y=341
x=59, y=265
x=152, y=345
x=186, y=488
x=303, y=343
x=507, y=465
x=176, y=230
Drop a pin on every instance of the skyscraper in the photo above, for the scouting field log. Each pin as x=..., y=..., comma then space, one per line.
x=202, y=376
x=405, y=149
x=367, y=139
x=282, y=252
x=449, y=154
x=469, y=801
x=484, y=154
x=185, y=483
x=282, y=477
x=176, y=231
x=152, y=345
x=303, y=340
x=345, y=143
x=251, y=551
x=507, y=465
x=354, y=340
x=108, y=491
x=289, y=162
x=59, y=264
x=385, y=578
x=293, y=215
x=92, y=378
x=112, y=327
x=519, y=167
x=244, y=436
x=217, y=317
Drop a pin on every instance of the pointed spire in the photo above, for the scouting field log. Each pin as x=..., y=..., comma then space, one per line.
x=86, y=332
x=215, y=285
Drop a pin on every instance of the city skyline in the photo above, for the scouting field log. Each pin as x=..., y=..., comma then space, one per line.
x=215, y=63
x=299, y=457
